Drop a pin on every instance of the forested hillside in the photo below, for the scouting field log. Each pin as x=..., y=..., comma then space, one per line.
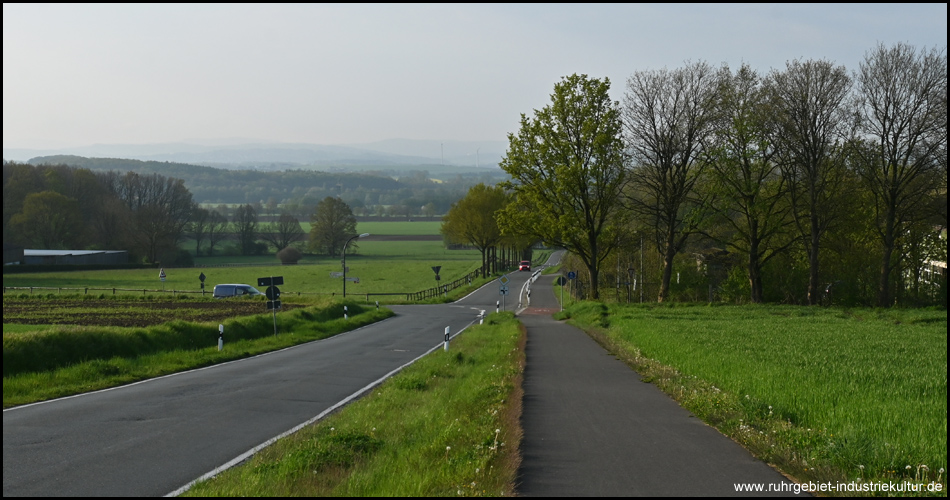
x=367, y=193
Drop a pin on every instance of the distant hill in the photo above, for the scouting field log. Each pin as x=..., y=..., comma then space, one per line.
x=393, y=153
x=413, y=187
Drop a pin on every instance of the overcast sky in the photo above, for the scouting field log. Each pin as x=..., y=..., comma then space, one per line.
x=77, y=75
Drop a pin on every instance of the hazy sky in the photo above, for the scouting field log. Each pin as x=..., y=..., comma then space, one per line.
x=77, y=75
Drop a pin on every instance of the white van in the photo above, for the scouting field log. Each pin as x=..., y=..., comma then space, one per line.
x=234, y=290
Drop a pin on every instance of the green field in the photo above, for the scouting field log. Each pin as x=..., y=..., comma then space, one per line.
x=400, y=228
x=828, y=394
x=381, y=266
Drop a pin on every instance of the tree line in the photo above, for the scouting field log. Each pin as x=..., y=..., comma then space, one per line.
x=795, y=184
x=298, y=190
x=65, y=207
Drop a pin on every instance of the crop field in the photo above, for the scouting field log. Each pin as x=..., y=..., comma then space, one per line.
x=828, y=393
x=127, y=313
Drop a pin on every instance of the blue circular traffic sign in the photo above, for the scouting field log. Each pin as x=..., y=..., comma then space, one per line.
x=571, y=275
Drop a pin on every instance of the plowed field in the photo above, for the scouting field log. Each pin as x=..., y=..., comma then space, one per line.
x=126, y=313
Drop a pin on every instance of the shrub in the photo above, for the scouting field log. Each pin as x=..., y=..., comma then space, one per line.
x=289, y=256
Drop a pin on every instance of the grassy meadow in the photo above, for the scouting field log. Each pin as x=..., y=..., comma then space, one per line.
x=826, y=394
x=381, y=266
x=457, y=434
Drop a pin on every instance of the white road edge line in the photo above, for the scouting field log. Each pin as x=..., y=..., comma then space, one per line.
x=244, y=456
x=210, y=367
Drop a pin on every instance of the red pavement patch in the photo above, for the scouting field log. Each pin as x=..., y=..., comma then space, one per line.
x=540, y=311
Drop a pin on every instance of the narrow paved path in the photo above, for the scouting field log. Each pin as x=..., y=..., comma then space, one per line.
x=592, y=427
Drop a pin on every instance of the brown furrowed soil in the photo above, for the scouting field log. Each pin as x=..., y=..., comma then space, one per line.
x=126, y=313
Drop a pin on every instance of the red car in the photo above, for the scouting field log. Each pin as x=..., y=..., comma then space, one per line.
x=525, y=265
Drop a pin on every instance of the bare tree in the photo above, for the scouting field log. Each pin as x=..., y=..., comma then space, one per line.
x=216, y=229
x=903, y=108
x=245, y=225
x=814, y=123
x=747, y=189
x=283, y=232
x=668, y=117
x=198, y=227
x=160, y=208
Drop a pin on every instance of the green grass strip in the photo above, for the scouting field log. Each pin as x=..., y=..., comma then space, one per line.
x=825, y=394
x=448, y=425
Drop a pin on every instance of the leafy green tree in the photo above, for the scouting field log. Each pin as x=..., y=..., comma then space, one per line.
x=567, y=169
x=472, y=220
x=669, y=117
x=49, y=220
x=331, y=225
x=903, y=107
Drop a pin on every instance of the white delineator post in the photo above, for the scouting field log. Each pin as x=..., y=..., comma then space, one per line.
x=220, y=337
x=446, y=346
x=345, y=313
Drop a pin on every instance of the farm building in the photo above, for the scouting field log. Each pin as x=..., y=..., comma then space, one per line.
x=75, y=257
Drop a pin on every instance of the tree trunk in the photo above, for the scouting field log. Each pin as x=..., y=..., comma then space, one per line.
x=814, y=287
x=755, y=273
x=668, y=254
x=593, y=271
x=884, y=285
x=484, y=262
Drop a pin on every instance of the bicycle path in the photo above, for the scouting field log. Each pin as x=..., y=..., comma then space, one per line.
x=592, y=427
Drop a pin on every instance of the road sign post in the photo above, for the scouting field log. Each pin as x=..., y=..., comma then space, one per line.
x=503, y=290
x=273, y=294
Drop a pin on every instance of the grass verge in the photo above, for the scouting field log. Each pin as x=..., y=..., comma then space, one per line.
x=61, y=361
x=824, y=394
x=457, y=431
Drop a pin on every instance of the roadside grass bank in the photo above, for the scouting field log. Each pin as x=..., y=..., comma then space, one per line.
x=824, y=394
x=53, y=361
x=447, y=425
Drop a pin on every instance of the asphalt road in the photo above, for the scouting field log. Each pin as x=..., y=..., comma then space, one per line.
x=153, y=437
